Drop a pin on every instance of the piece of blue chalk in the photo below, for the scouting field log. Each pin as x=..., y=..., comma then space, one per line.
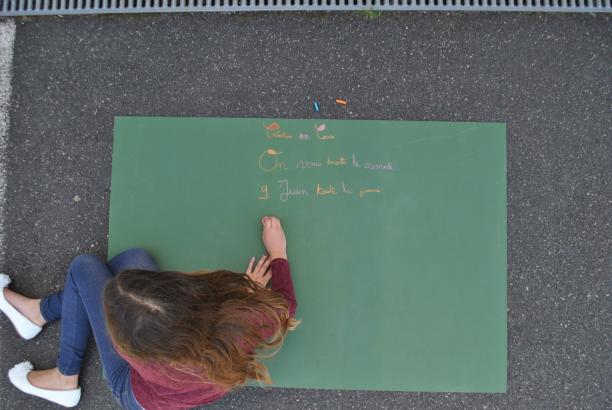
x=316, y=106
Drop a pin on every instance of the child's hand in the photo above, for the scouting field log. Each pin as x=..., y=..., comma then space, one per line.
x=274, y=237
x=260, y=274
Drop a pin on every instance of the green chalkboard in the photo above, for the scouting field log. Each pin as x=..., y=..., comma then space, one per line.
x=396, y=236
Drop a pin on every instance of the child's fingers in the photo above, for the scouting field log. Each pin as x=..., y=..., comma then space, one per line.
x=250, y=267
x=266, y=264
x=266, y=277
x=260, y=263
x=276, y=224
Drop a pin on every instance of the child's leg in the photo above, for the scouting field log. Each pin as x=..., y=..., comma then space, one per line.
x=81, y=300
x=82, y=312
x=29, y=307
x=86, y=278
x=135, y=258
x=80, y=307
x=51, y=306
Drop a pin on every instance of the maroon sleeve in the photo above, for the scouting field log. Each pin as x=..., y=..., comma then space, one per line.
x=282, y=283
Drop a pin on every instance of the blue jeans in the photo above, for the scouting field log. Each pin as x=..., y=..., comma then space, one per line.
x=79, y=306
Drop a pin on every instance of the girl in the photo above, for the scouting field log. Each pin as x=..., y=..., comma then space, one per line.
x=167, y=340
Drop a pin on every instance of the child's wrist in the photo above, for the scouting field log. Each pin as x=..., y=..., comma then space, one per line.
x=278, y=255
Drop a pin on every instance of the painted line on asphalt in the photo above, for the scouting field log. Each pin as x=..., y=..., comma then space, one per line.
x=7, y=41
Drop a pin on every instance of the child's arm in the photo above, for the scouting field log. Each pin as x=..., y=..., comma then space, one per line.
x=282, y=283
x=276, y=244
x=273, y=237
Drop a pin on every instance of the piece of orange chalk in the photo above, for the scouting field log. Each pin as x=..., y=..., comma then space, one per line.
x=341, y=101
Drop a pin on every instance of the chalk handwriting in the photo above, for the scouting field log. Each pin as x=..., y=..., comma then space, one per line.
x=388, y=166
x=385, y=167
x=339, y=161
x=319, y=129
x=330, y=190
x=307, y=164
x=268, y=160
x=271, y=160
x=345, y=190
x=362, y=192
x=274, y=131
x=287, y=191
x=264, y=192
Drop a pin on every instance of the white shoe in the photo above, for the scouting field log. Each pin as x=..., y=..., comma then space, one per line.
x=23, y=325
x=18, y=375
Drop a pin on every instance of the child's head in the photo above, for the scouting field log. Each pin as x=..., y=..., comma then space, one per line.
x=207, y=323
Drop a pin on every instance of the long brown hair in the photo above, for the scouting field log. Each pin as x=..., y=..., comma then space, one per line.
x=212, y=324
